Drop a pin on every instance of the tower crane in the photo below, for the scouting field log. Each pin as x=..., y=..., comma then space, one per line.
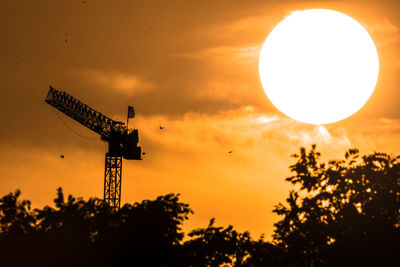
x=122, y=142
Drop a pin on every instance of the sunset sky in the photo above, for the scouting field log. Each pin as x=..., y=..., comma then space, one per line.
x=190, y=66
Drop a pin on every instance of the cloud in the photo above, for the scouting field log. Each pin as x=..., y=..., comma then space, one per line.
x=221, y=42
x=384, y=27
x=124, y=83
x=226, y=54
x=191, y=156
x=249, y=30
x=232, y=76
x=387, y=39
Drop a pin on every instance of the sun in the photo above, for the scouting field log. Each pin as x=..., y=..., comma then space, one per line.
x=319, y=66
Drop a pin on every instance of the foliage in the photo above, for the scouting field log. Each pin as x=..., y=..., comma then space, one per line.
x=86, y=233
x=345, y=212
x=215, y=246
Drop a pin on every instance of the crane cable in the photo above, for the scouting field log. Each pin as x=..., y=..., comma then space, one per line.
x=90, y=138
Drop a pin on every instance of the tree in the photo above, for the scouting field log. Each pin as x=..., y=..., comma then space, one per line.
x=76, y=232
x=89, y=233
x=344, y=212
x=224, y=246
x=216, y=246
x=16, y=224
x=148, y=233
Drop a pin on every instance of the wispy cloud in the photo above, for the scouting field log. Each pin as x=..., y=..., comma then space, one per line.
x=227, y=54
x=239, y=39
x=383, y=27
x=125, y=83
x=387, y=39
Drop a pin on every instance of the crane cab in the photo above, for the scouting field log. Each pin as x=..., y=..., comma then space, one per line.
x=130, y=149
x=124, y=145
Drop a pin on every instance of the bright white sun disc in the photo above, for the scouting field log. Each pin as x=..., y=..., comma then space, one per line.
x=318, y=66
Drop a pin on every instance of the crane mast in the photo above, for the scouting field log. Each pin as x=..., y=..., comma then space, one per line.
x=122, y=142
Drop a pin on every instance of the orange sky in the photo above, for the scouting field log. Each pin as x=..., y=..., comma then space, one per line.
x=191, y=67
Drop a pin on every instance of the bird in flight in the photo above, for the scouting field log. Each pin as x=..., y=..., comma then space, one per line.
x=61, y=156
x=161, y=127
x=143, y=153
x=230, y=152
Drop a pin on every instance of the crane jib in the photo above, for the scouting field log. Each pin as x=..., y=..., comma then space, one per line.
x=84, y=114
x=121, y=141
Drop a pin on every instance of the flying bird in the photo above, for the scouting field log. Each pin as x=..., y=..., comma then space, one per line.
x=230, y=152
x=61, y=156
x=161, y=128
x=143, y=153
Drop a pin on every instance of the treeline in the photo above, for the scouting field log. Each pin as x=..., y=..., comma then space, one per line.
x=89, y=233
x=343, y=213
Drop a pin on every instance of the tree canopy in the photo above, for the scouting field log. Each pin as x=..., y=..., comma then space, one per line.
x=344, y=212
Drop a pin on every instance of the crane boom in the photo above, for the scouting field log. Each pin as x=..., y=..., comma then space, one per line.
x=84, y=114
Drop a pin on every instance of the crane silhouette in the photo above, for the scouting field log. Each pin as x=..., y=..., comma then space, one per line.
x=122, y=142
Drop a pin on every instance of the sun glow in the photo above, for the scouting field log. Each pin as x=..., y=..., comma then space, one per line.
x=318, y=66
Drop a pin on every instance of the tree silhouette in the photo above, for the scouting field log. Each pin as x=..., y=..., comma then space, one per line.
x=16, y=226
x=215, y=246
x=224, y=246
x=149, y=233
x=90, y=233
x=345, y=212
